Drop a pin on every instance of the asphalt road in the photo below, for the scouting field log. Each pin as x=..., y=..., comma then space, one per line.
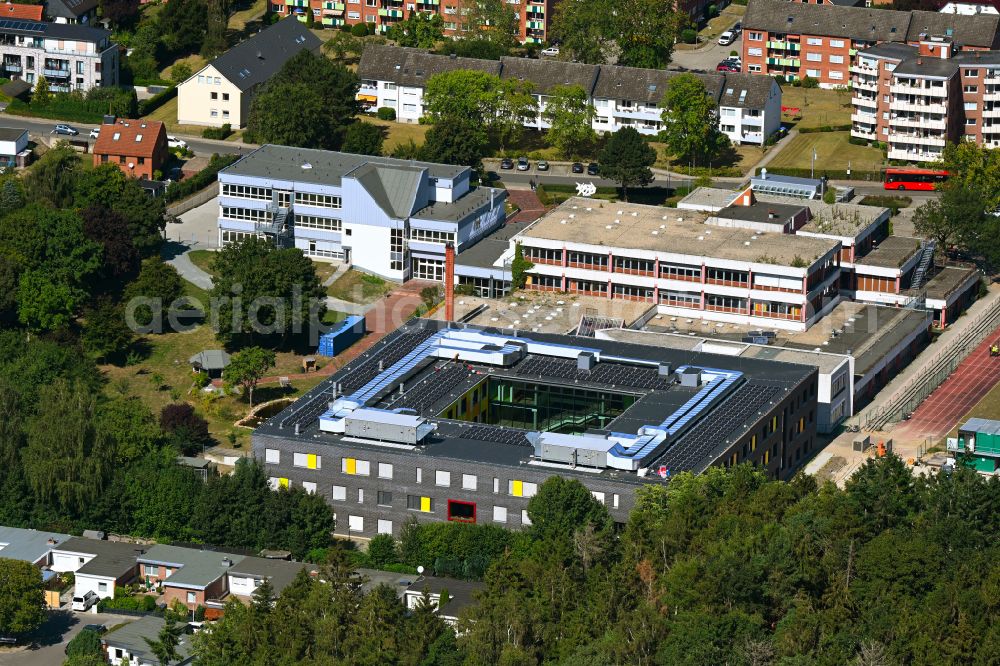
x=49, y=647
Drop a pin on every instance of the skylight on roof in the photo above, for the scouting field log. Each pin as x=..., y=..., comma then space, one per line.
x=138, y=138
x=117, y=136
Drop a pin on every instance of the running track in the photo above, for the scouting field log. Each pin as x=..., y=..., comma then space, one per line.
x=941, y=411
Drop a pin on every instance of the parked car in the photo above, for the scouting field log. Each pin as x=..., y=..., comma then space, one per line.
x=727, y=67
x=727, y=38
x=737, y=28
x=95, y=133
x=735, y=61
x=68, y=130
x=523, y=164
x=506, y=163
x=593, y=169
x=542, y=165
x=577, y=167
x=174, y=142
x=85, y=602
x=551, y=51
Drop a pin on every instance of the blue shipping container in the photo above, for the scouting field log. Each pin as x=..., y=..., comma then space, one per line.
x=342, y=337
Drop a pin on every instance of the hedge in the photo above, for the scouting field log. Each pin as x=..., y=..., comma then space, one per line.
x=825, y=128
x=69, y=113
x=218, y=133
x=145, y=604
x=184, y=188
x=147, y=106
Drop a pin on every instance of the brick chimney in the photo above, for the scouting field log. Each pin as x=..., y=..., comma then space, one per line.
x=449, y=281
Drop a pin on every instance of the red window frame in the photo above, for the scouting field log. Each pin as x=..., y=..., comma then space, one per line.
x=462, y=503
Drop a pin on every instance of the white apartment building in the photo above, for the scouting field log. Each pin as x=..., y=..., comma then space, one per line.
x=70, y=57
x=749, y=106
x=385, y=216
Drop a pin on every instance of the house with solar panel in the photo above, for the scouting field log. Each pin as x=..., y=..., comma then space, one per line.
x=220, y=93
x=69, y=56
x=446, y=422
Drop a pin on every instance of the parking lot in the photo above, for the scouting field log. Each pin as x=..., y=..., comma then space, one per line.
x=707, y=57
x=49, y=642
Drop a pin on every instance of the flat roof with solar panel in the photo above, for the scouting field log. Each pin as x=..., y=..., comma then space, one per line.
x=437, y=397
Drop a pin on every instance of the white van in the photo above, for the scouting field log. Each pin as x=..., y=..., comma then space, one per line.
x=85, y=602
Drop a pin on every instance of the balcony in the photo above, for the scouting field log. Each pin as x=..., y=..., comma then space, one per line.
x=638, y=112
x=992, y=113
x=784, y=62
x=56, y=73
x=869, y=102
x=391, y=13
x=926, y=91
x=917, y=107
x=860, y=69
x=991, y=95
x=913, y=155
x=922, y=122
x=12, y=67
x=864, y=118
x=785, y=46
x=755, y=121
x=752, y=137
x=862, y=133
x=861, y=84
x=919, y=139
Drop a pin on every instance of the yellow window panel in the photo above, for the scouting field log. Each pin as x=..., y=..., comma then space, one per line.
x=282, y=483
x=753, y=443
x=352, y=466
x=425, y=504
x=311, y=461
x=517, y=488
x=802, y=424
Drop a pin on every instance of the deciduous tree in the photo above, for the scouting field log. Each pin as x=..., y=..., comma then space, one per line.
x=364, y=138
x=106, y=334
x=570, y=116
x=248, y=367
x=22, y=598
x=645, y=32
x=626, y=159
x=421, y=30
x=585, y=28
x=456, y=141
x=690, y=126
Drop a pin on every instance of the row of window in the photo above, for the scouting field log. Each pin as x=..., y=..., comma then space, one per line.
x=249, y=214
x=265, y=194
x=315, y=222
x=429, y=236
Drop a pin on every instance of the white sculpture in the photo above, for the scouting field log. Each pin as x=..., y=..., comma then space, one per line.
x=586, y=189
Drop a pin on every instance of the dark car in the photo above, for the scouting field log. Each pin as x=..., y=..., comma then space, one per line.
x=506, y=163
x=738, y=27
x=577, y=167
x=593, y=169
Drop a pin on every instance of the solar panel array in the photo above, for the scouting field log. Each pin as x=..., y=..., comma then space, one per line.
x=431, y=387
x=617, y=374
x=691, y=450
x=309, y=412
x=487, y=433
x=26, y=26
x=355, y=375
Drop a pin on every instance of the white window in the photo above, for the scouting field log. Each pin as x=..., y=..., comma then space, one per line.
x=309, y=487
x=814, y=57
x=524, y=518
x=837, y=43
x=754, y=36
x=339, y=493
x=355, y=467
x=972, y=72
x=499, y=514
x=614, y=501
x=320, y=223
x=319, y=200
x=753, y=69
x=970, y=121
x=272, y=456
x=815, y=73
x=598, y=496
x=307, y=460
x=420, y=475
x=384, y=526
x=970, y=106
x=837, y=59
x=384, y=471
x=755, y=51
x=102, y=587
x=442, y=478
x=885, y=115
x=355, y=523
x=835, y=74
x=970, y=89
x=469, y=481
x=191, y=597
x=496, y=485
x=814, y=41
x=361, y=495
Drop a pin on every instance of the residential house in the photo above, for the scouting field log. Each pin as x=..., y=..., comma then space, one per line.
x=385, y=216
x=137, y=147
x=749, y=106
x=458, y=595
x=98, y=566
x=395, y=77
x=193, y=577
x=18, y=12
x=127, y=644
x=70, y=57
x=29, y=545
x=533, y=15
x=797, y=40
x=220, y=93
x=251, y=572
x=13, y=143
x=71, y=11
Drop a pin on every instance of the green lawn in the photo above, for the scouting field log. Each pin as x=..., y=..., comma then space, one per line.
x=203, y=259
x=818, y=107
x=358, y=287
x=833, y=151
x=398, y=133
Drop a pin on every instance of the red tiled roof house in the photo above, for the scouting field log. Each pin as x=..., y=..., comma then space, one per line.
x=138, y=147
x=10, y=10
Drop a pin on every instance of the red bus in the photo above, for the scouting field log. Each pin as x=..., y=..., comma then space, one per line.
x=914, y=179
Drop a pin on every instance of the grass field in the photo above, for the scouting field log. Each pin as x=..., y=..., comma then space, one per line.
x=833, y=151
x=357, y=287
x=167, y=114
x=202, y=259
x=398, y=133
x=239, y=19
x=818, y=107
x=195, y=61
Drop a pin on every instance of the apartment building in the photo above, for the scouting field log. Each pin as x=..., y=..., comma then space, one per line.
x=70, y=57
x=464, y=424
x=918, y=98
x=533, y=15
x=796, y=40
x=385, y=216
x=749, y=106
x=220, y=93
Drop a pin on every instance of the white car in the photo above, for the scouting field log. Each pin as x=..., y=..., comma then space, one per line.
x=174, y=142
x=95, y=133
x=85, y=602
x=551, y=51
x=727, y=38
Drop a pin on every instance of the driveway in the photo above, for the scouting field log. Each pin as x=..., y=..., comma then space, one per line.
x=707, y=57
x=49, y=648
